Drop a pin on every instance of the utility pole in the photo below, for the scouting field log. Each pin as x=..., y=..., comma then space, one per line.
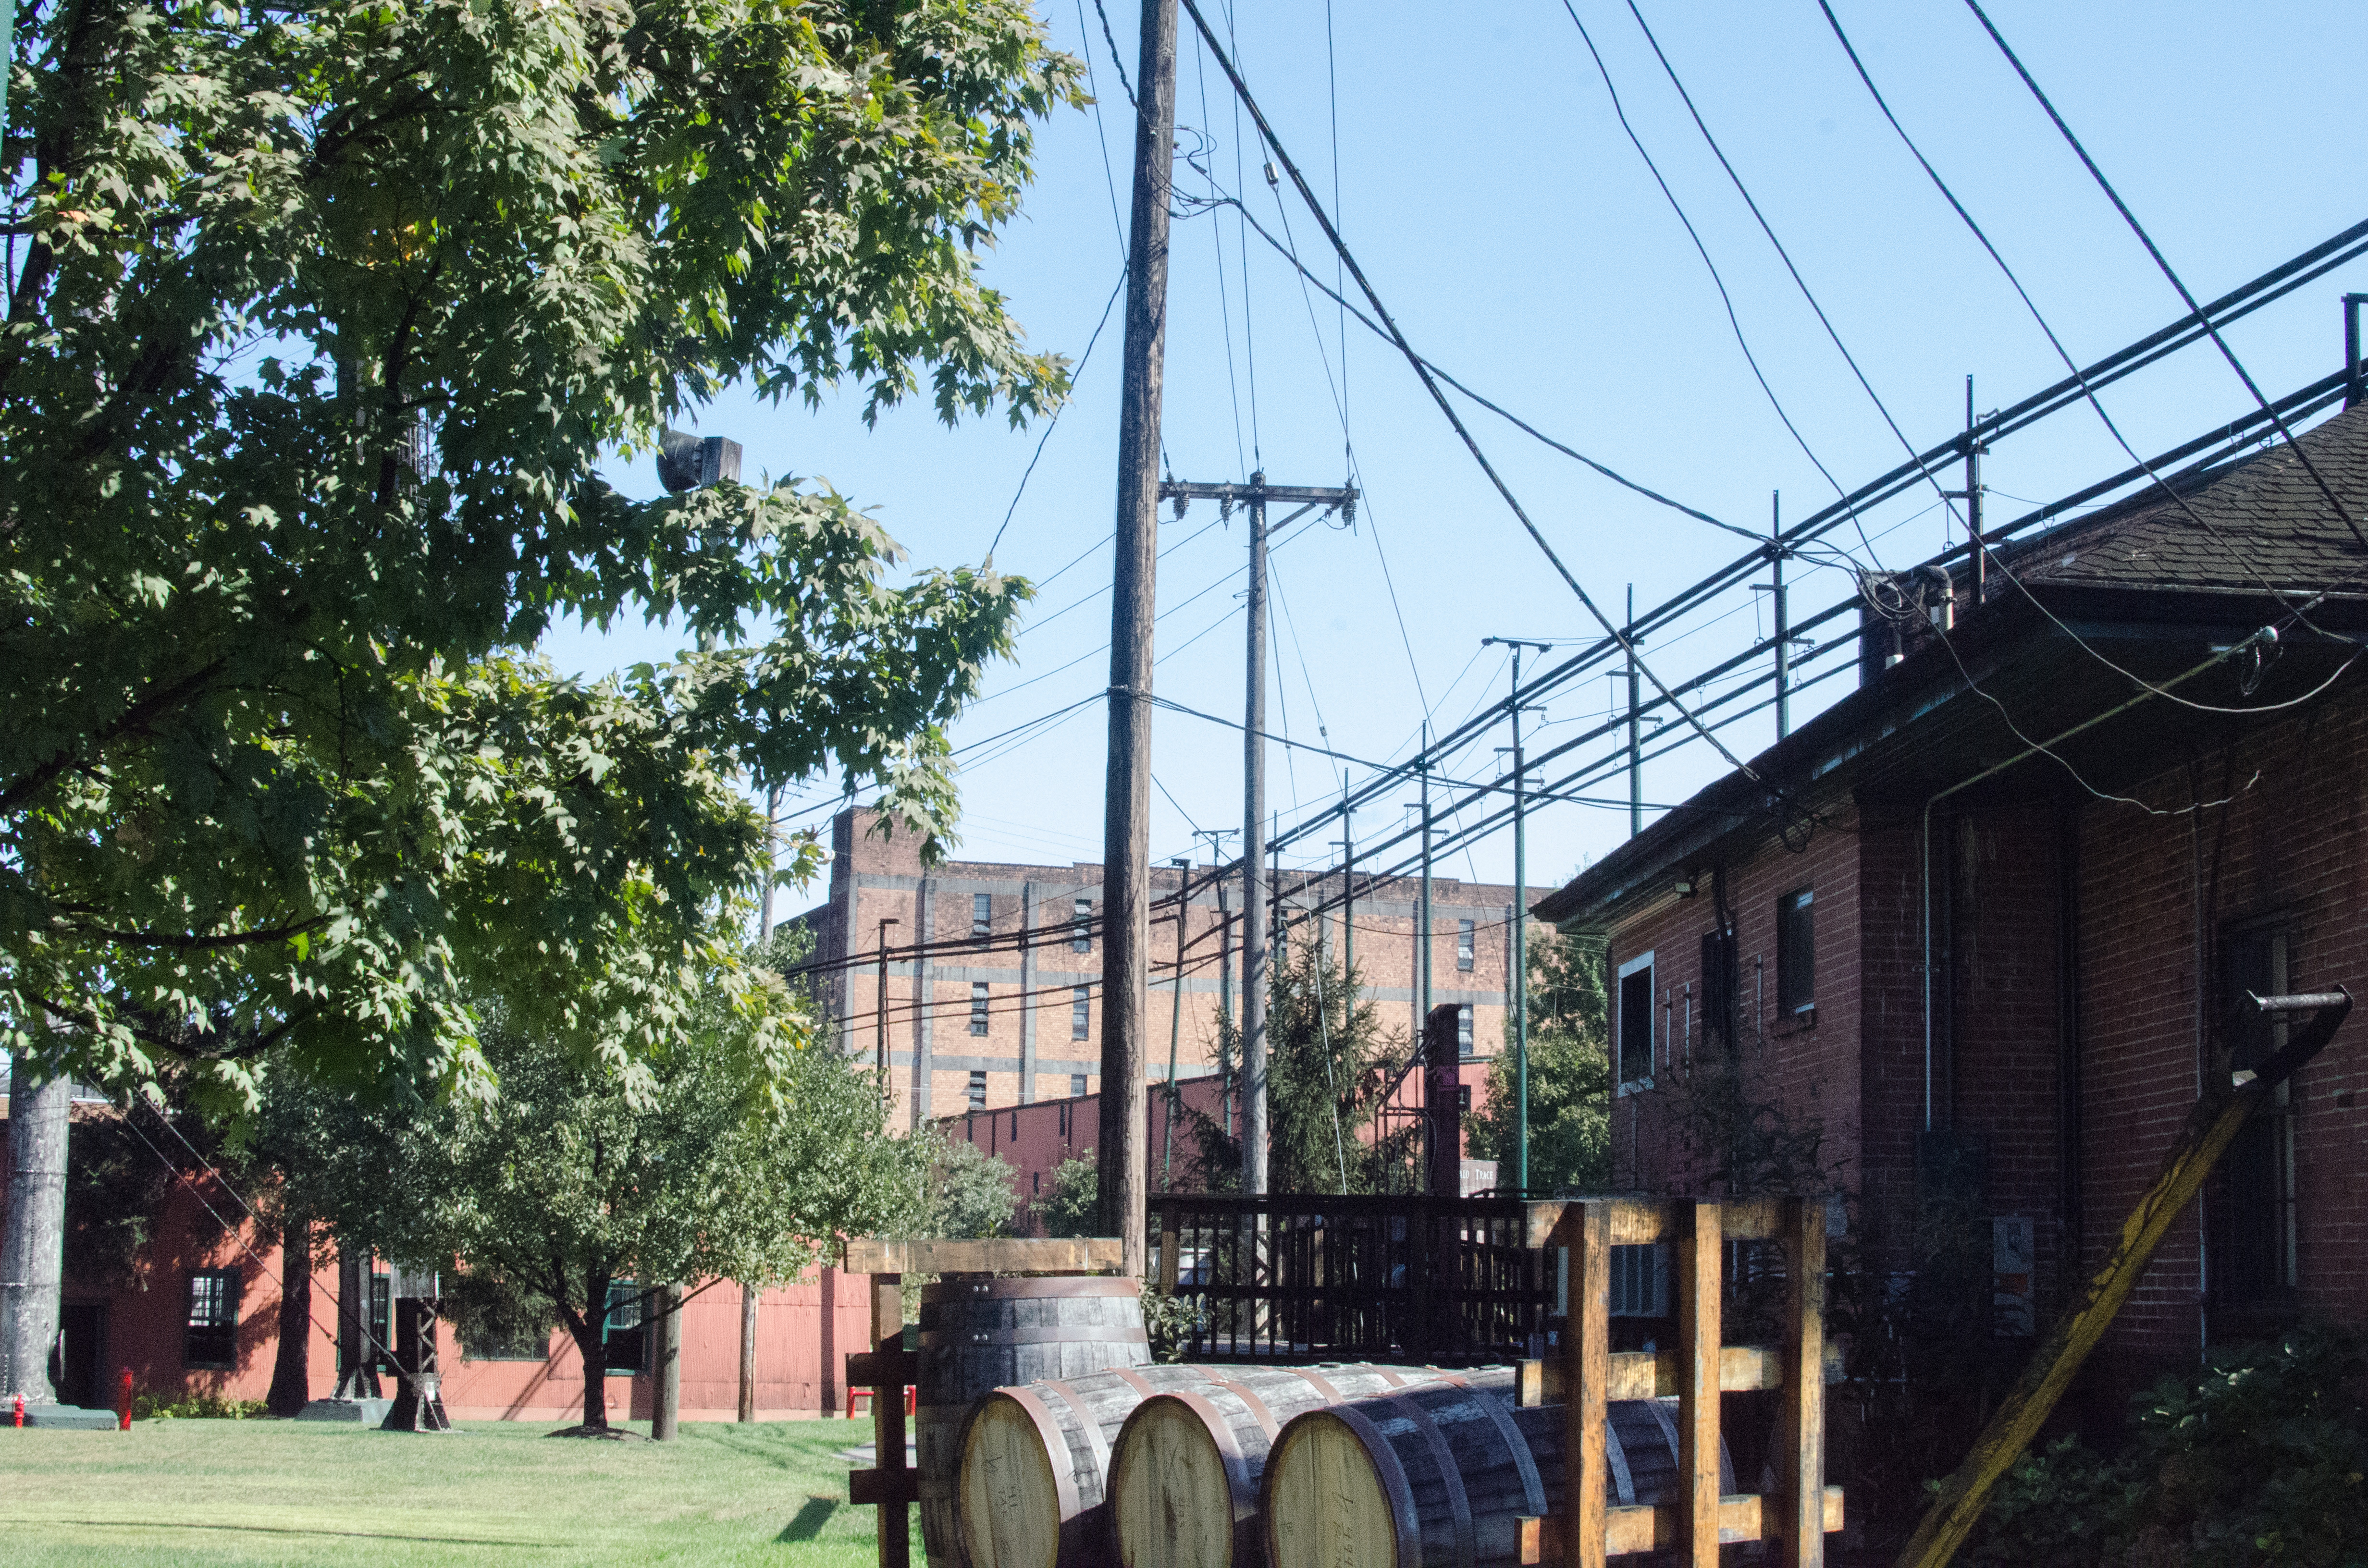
x=1636, y=727
x=1521, y=926
x=1971, y=496
x=1123, y=1173
x=1422, y=926
x=1347, y=842
x=1784, y=629
x=1255, y=495
x=1176, y=1017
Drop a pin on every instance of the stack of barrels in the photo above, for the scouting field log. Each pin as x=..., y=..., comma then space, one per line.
x=1086, y=1454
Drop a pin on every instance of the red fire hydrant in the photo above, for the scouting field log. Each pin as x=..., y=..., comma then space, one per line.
x=123, y=1402
x=20, y=1409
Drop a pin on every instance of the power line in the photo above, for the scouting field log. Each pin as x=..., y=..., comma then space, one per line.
x=1054, y=422
x=2163, y=262
x=1241, y=90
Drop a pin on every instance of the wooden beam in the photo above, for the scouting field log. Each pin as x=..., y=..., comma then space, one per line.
x=1540, y=1541
x=1587, y=1345
x=1000, y=1255
x=1699, y=1270
x=1653, y=1374
x=1637, y=1222
x=1798, y=1527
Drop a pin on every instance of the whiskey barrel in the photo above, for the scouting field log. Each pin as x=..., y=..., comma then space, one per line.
x=978, y=1335
x=1444, y=1474
x=1185, y=1469
x=1036, y=1459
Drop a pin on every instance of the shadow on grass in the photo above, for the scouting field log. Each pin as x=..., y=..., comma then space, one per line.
x=291, y=1529
x=811, y=1519
x=755, y=1444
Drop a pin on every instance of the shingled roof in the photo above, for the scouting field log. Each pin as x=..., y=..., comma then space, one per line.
x=2259, y=520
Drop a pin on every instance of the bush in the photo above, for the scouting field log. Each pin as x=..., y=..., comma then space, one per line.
x=1074, y=1206
x=2259, y=1459
x=198, y=1407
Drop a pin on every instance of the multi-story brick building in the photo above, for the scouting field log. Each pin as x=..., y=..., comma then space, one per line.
x=992, y=979
x=1988, y=922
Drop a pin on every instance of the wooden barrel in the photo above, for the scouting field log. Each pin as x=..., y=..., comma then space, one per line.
x=1035, y=1460
x=1185, y=1469
x=978, y=1335
x=1444, y=1474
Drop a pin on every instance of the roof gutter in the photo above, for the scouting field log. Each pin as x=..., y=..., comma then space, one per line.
x=2267, y=634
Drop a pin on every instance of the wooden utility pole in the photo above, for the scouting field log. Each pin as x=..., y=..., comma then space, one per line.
x=32, y=1258
x=1255, y=496
x=1123, y=1161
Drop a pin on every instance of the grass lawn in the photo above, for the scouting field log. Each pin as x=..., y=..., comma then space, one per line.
x=195, y=1492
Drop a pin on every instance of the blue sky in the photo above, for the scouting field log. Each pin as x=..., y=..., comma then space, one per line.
x=1490, y=195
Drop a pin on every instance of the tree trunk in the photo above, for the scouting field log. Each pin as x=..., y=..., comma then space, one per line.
x=32, y=1252
x=666, y=1405
x=592, y=1347
x=748, y=1351
x=292, y=1369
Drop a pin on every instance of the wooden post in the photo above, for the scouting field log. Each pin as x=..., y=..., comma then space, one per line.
x=1800, y=1466
x=896, y=1489
x=747, y=1411
x=1126, y=806
x=1586, y=1362
x=1700, y=1252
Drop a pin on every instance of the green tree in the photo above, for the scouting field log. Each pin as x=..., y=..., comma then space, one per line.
x=1074, y=1206
x=1329, y=1065
x=971, y=1191
x=328, y=313
x=1570, y=1076
x=575, y=1177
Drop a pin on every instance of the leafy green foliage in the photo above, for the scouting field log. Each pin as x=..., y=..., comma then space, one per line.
x=1074, y=1206
x=148, y=1406
x=329, y=313
x=971, y=1191
x=1570, y=1076
x=1329, y=1065
x=574, y=1176
x=2259, y=1459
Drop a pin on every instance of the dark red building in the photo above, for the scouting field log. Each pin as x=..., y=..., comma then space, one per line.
x=1981, y=927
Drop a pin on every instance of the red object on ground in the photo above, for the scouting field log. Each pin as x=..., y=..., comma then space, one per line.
x=123, y=1402
x=20, y=1409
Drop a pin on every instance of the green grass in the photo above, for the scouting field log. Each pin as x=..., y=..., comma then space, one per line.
x=189, y=1493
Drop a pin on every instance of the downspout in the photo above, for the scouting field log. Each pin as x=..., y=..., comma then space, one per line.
x=1924, y=872
x=2068, y=1047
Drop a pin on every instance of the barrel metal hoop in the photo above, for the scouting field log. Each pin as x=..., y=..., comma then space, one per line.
x=1058, y=1335
x=1331, y=1395
x=1467, y=1549
x=1615, y=1456
x=1134, y=1380
x=1037, y=1289
x=1522, y=1459
x=1093, y=1434
x=1240, y=1482
x=1396, y=1487
x=1256, y=1407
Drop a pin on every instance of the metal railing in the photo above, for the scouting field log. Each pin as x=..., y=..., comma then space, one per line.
x=1445, y=1281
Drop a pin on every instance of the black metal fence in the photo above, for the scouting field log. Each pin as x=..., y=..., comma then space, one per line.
x=1309, y=1278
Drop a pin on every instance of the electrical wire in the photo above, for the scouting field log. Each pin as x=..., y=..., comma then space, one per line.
x=1054, y=422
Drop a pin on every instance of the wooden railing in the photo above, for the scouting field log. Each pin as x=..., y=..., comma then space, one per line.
x=1450, y=1282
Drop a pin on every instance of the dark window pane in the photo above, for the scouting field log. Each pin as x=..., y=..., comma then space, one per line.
x=1797, y=952
x=978, y=1006
x=211, y=1339
x=982, y=913
x=1077, y=1084
x=1636, y=1026
x=978, y=1091
x=626, y=1331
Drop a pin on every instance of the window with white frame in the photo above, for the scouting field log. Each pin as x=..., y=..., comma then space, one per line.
x=982, y=913
x=1081, y=928
x=1463, y=950
x=1464, y=1030
x=1081, y=1013
x=978, y=1090
x=978, y=1005
x=1633, y=1028
x=212, y=1337
x=1077, y=1085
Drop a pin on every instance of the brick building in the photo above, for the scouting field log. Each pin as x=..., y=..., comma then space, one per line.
x=994, y=978
x=1981, y=924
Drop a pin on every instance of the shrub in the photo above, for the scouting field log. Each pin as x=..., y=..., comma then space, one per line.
x=197, y=1407
x=2259, y=1459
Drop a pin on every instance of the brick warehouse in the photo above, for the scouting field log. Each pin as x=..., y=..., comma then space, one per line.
x=2091, y=911
x=1002, y=1006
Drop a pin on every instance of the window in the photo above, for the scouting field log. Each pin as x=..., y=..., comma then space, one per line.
x=1081, y=930
x=1035, y=1183
x=2252, y=1255
x=1640, y=1281
x=1463, y=945
x=625, y=1331
x=982, y=913
x=1719, y=990
x=1464, y=1100
x=978, y=1006
x=1081, y=1014
x=211, y=1336
x=978, y=1090
x=1635, y=1023
x=1077, y=1085
x=381, y=1322
x=1796, y=954
x=1075, y=1088
x=1464, y=1030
